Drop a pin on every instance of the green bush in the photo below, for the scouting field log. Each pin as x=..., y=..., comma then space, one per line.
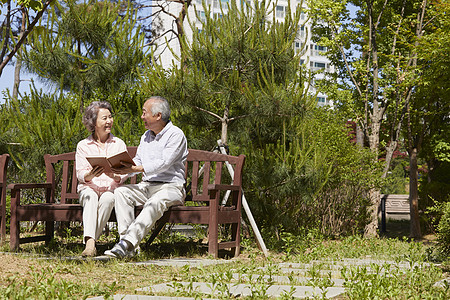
x=37, y=124
x=435, y=186
x=313, y=180
x=442, y=219
x=443, y=229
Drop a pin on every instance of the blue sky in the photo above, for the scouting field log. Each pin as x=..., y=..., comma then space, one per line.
x=7, y=81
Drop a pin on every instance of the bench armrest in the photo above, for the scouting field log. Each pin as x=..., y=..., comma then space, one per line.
x=17, y=187
x=223, y=187
x=21, y=186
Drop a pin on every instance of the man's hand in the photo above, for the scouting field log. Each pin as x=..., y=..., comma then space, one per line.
x=127, y=168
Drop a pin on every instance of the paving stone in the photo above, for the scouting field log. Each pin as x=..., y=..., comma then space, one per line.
x=444, y=283
x=180, y=262
x=337, y=264
x=237, y=290
x=283, y=279
x=143, y=297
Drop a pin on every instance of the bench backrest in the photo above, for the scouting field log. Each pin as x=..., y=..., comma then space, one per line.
x=4, y=158
x=205, y=168
x=67, y=191
x=202, y=167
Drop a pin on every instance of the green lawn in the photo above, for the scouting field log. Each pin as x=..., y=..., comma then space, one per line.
x=403, y=270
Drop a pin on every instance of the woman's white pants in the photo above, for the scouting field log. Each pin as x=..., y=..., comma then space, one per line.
x=96, y=211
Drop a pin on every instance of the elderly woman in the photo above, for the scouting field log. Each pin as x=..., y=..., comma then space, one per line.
x=96, y=188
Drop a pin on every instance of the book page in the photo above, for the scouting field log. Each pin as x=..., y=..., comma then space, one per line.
x=115, y=160
x=99, y=161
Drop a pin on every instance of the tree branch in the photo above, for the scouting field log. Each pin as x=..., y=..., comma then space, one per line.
x=209, y=113
x=24, y=36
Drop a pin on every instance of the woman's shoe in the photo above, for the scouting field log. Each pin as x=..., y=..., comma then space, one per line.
x=90, y=250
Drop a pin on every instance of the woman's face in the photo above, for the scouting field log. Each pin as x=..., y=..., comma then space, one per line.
x=104, y=121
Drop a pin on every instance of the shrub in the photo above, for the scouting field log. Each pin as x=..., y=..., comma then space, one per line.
x=313, y=180
x=442, y=219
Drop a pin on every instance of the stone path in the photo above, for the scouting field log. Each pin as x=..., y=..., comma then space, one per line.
x=315, y=279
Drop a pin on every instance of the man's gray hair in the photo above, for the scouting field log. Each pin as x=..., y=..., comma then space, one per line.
x=91, y=113
x=161, y=105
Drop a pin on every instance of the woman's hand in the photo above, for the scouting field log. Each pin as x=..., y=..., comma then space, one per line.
x=95, y=172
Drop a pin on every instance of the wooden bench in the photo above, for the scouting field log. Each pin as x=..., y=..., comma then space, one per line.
x=207, y=181
x=393, y=204
x=4, y=158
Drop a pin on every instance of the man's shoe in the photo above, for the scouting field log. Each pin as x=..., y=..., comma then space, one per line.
x=120, y=251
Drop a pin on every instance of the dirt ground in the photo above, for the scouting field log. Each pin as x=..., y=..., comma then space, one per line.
x=14, y=265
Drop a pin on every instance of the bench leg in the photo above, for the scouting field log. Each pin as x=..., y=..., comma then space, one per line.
x=49, y=231
x=14, y=238
x=3, y=230
x=3, y=224
x=236, y=236
x=159, y=226
x=213, y=237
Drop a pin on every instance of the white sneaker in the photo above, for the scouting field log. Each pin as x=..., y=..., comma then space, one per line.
x=119, y=251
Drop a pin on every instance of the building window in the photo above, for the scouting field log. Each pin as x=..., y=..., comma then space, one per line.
x=279, y=12
x=318, y=50
x=302, y=32
x=201, y=16
x=319, y=65
x=302, y=16
x=321, y=101
x=298, y=46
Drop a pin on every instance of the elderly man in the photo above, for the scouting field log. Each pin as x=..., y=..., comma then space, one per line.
x=160, y=157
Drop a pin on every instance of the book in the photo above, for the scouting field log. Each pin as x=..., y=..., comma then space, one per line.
x=112, y=161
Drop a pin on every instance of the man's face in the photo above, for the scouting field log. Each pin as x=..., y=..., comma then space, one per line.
x=151, y=122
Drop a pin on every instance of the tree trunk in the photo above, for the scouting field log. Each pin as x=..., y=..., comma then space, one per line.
x=389, y=154
x=371, y=229
x=414, y=195
x=18, y=61
x=359, y=135
x=17, y=78
x=224, y=121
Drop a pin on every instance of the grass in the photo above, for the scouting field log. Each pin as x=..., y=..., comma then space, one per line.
x=39, y=272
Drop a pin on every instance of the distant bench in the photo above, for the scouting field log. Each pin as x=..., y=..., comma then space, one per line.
x=207, y=182
x=393, y=205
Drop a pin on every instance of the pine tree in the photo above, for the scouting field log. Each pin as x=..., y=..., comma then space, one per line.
x=239, y=74
x=88, y=46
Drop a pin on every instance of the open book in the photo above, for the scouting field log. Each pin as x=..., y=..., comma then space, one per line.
x=112, y=161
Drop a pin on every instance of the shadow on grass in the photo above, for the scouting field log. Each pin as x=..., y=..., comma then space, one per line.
x=400, y=229
x=157, y=250
x=396, y=229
